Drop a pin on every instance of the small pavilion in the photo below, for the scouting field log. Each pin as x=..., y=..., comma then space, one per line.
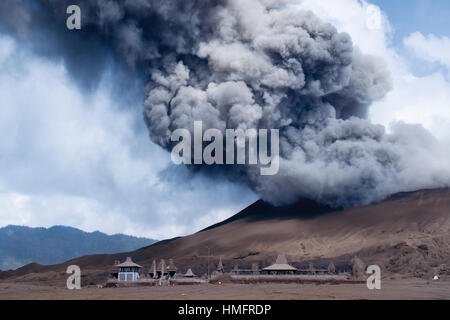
x=171, y=269
x=220, y=269
x=235, y=270
x=128, y=270
x=189, y=274
x=280, y=267
x=162, y=270
x=153, y=273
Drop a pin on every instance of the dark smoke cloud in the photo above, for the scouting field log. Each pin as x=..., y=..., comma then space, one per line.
x=252, y=64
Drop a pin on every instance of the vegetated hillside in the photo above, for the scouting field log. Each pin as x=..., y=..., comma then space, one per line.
x=22, y=245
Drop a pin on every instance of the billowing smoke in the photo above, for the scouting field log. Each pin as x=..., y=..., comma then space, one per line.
x=256, y=64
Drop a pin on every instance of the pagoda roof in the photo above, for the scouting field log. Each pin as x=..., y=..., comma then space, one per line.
x=280, y=265
x=171, y=266
x=128, y=264
x=220, y=265
x=189, y=273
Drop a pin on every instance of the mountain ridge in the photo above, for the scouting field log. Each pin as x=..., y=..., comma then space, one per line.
x=20, y=245
x=407, y=234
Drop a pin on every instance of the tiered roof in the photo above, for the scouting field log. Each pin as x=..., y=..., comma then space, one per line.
x=128, y=264
x=280, y=265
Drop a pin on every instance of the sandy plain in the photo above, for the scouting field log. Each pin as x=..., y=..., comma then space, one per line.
x=391, y=289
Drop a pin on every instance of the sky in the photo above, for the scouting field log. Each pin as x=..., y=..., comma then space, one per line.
x=84, y=159
x=428, y=16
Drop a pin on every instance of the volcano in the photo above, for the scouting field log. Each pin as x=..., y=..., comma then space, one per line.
x=407, y=235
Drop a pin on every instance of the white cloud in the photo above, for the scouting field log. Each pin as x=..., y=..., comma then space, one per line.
x=6, y=49
x=430, y=48
x=367, y=24
x=424, y=100
x=83, y=160
x=413, y=99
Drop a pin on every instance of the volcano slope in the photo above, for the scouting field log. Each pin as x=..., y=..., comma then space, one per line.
x=407, y=235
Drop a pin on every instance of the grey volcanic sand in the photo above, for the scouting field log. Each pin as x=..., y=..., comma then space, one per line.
x=391, y=289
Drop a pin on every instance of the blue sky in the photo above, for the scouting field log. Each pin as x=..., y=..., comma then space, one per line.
x=407, y=16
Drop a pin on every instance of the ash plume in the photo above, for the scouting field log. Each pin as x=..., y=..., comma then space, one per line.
x=252, y=64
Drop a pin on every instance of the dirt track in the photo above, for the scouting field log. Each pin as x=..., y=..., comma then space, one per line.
x=391, y=289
